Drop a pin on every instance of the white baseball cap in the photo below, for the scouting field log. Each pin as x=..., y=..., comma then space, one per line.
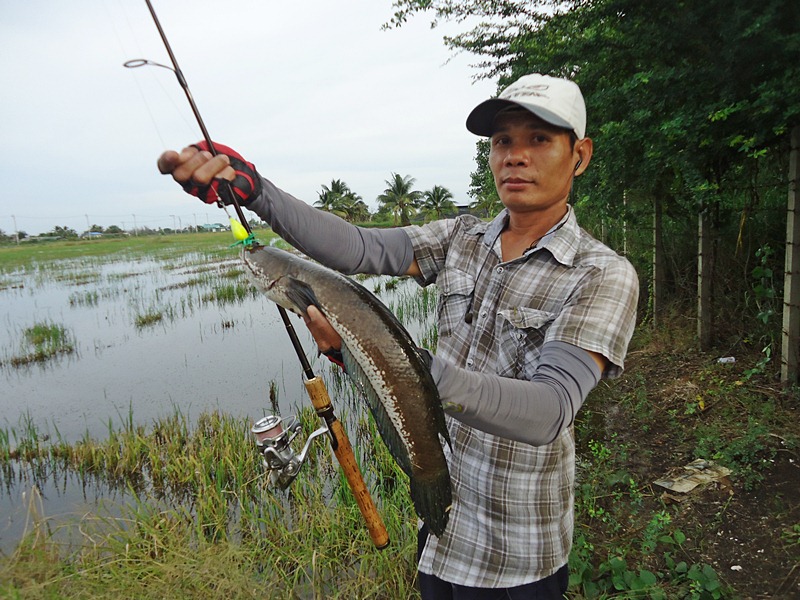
x=554, y=100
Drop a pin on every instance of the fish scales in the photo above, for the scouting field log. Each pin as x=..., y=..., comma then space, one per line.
x=382, y=360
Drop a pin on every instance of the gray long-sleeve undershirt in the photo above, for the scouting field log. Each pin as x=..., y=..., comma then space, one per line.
x=330, y=240
x=534, y=412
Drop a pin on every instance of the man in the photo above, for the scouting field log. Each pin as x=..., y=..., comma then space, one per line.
x=533, y=312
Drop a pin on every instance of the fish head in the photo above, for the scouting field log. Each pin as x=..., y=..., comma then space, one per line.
x=274, y=272
x=264, y=269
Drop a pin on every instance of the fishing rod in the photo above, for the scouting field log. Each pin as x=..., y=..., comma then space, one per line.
x=273, y=437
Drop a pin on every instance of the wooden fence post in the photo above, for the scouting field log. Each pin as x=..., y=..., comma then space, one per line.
x=790, y=350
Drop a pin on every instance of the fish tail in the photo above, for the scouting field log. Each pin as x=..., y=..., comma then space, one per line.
x=432, y=499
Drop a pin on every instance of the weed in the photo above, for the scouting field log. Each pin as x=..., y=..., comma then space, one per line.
x=147, y=319
x=200, y=521
x=231, y=293
x=43, y=341
x=88, y=298
x=791, y=536
x=747, y=451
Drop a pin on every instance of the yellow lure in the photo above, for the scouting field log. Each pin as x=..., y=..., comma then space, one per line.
x=238, y=230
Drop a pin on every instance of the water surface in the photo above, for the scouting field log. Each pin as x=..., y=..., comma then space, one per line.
x=207, y=352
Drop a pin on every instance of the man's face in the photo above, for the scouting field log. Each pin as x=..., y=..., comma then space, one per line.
x=533, y=162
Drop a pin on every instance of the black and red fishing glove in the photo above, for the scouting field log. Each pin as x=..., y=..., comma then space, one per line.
x=336, y=357
x=246, y=185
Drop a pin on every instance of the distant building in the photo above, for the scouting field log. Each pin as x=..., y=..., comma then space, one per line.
x=213, y=227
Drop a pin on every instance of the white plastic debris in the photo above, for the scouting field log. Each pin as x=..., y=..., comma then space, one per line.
x=697, y=472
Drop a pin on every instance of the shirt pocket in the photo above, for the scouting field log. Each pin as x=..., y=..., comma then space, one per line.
x=456, y=292
x=522, y=333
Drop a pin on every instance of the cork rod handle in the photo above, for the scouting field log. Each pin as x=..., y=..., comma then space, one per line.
x=347, y=460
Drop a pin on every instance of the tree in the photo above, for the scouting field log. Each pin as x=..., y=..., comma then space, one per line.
x=400, y=198
x=340, y=200
x=482, y=187
x=354, y=208
x=329, y=196
x=64, y=232
x=437, y=202
x=690, y=103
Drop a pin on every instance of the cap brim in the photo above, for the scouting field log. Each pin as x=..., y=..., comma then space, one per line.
x=482, y=116
x=481, y=119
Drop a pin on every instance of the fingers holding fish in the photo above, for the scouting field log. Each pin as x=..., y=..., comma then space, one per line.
x=321, y=330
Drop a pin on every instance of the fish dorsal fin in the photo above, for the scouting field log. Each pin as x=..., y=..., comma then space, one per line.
x=387, y=430
x=300, y=293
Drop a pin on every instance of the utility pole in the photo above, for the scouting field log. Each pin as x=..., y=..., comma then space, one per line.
x=16, y=231
x=134, y=225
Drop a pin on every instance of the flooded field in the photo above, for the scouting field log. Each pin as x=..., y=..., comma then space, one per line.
x=91, y=345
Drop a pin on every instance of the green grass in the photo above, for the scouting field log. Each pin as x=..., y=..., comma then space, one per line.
x=202, y=522
x=42, y=342
x=148, y=318
x=229, y=293
x=20, y=256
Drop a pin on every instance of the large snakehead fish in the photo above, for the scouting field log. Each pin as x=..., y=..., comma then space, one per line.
x=383, y=361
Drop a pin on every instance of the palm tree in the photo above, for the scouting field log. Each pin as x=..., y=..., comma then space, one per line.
x=354, y=208
x=438, y=201
x=487, y=206
x=340, y=200
x=400, y=198
x=329, y=196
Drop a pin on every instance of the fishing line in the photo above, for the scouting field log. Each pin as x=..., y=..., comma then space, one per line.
x=124, y=51
x=224, y=185
x=314, y=385
x=154, y=78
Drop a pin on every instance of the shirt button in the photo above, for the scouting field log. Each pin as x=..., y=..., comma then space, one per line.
x=499, y=270
x=470, y=362
x=483, y=314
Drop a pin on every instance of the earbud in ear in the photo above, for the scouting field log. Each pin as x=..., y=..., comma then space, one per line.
x=578, y=164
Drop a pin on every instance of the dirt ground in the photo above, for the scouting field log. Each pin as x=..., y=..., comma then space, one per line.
x=750, y=536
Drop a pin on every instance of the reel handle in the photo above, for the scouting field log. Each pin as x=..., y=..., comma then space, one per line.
x=344, y=454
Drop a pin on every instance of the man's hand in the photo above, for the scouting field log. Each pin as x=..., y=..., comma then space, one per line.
x=199, y=172
x=324, y=334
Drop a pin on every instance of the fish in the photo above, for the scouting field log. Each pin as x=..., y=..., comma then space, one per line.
x=382, y=360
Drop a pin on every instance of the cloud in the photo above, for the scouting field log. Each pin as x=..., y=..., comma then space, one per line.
x=308, y=90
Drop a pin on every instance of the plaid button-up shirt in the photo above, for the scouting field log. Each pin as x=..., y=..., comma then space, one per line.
x=512, y=517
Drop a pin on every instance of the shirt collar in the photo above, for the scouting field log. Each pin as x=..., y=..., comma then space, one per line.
x=561, y=241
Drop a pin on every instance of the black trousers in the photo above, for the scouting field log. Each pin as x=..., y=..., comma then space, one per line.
x=432, y=588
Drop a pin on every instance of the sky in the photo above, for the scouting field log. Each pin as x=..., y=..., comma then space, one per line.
x=307, y=90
